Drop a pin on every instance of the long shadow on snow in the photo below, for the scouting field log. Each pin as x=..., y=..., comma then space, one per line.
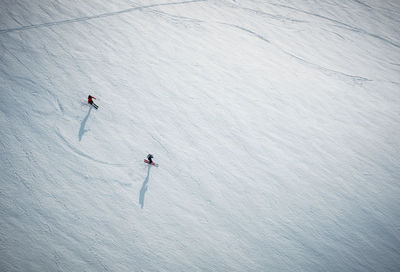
x=144, y=188
x=82, y=130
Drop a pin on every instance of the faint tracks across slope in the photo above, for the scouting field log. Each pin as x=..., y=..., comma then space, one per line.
x=343, y=25
x=248, y=31
x=82, y=154
x=346, y=77
x=276, y=17
x=351, y=78
x=98, y=16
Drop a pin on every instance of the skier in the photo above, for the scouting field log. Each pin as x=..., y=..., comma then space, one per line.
x=150, y=158
x=90, y=101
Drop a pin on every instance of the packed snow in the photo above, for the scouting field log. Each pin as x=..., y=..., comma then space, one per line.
x=275, y=124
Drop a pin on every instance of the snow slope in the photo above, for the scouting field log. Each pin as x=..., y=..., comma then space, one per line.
x=276, y=125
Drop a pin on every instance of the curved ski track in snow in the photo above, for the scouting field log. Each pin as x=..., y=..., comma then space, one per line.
x=362, y=4
x=87, y=18
x=353, y=79
x=82, y=154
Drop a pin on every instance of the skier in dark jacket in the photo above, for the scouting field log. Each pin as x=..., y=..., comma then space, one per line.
x=150, y=158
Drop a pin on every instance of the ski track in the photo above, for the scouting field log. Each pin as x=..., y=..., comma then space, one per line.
x=99, y=16
x=346, y=77
x=342, y=25
x=353, y=79
x=176, y=17
x=248, y=31
x=276, y=17
x=356, y=79
x=361, y=31
x=81, y=154
x=17, y=59
x=362, y=3
x=155, y=139
x=60, y=106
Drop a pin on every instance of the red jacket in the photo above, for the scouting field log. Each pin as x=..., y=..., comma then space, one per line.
x=89, y=99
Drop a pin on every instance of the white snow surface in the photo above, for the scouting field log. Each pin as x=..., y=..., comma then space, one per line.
x=276, y=126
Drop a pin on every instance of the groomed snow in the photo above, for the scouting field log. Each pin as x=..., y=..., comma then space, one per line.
x=276, y=125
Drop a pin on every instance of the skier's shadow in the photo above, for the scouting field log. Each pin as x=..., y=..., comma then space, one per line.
x=82, y=130
x=144, y=188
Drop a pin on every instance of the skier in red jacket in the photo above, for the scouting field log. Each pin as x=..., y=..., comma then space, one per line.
x=90, y=101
